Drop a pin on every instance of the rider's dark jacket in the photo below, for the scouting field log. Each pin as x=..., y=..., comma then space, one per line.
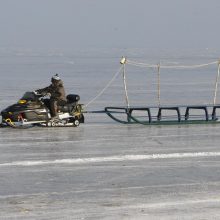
x=56, y=90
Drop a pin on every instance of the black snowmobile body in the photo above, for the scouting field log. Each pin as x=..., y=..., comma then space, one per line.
x=34, y=109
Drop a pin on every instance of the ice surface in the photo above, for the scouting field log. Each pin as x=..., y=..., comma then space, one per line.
x=101, y=169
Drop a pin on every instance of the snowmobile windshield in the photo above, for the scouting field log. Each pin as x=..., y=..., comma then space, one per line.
x=29, y=96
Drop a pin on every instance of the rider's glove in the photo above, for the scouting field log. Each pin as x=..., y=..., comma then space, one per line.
x=36, y=92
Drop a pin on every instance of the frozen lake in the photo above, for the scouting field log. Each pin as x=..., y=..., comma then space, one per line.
x=102, y=169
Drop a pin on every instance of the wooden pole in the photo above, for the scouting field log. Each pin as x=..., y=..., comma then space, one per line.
x=158, y=84
x=125, y=86
x=216, y=84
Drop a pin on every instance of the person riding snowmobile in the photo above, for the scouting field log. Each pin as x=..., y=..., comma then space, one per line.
x=57, y=94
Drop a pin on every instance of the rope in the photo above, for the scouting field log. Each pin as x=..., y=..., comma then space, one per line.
x=103, y=90
x=145, y=65
x=190, y=66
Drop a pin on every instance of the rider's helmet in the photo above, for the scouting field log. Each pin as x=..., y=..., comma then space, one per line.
x=55, y=78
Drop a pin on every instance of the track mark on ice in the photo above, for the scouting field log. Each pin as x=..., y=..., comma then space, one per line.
x=175, y=203
x=112, y=159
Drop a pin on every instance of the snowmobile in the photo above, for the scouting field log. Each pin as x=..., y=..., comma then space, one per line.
x=33, y=109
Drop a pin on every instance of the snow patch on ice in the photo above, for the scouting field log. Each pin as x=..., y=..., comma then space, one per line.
x=112, y=159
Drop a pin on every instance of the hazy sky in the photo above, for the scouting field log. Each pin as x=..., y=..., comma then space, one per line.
x=110, y=23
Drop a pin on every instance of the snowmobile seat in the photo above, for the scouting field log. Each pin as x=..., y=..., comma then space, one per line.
x=72, y=98
x=68, y=106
